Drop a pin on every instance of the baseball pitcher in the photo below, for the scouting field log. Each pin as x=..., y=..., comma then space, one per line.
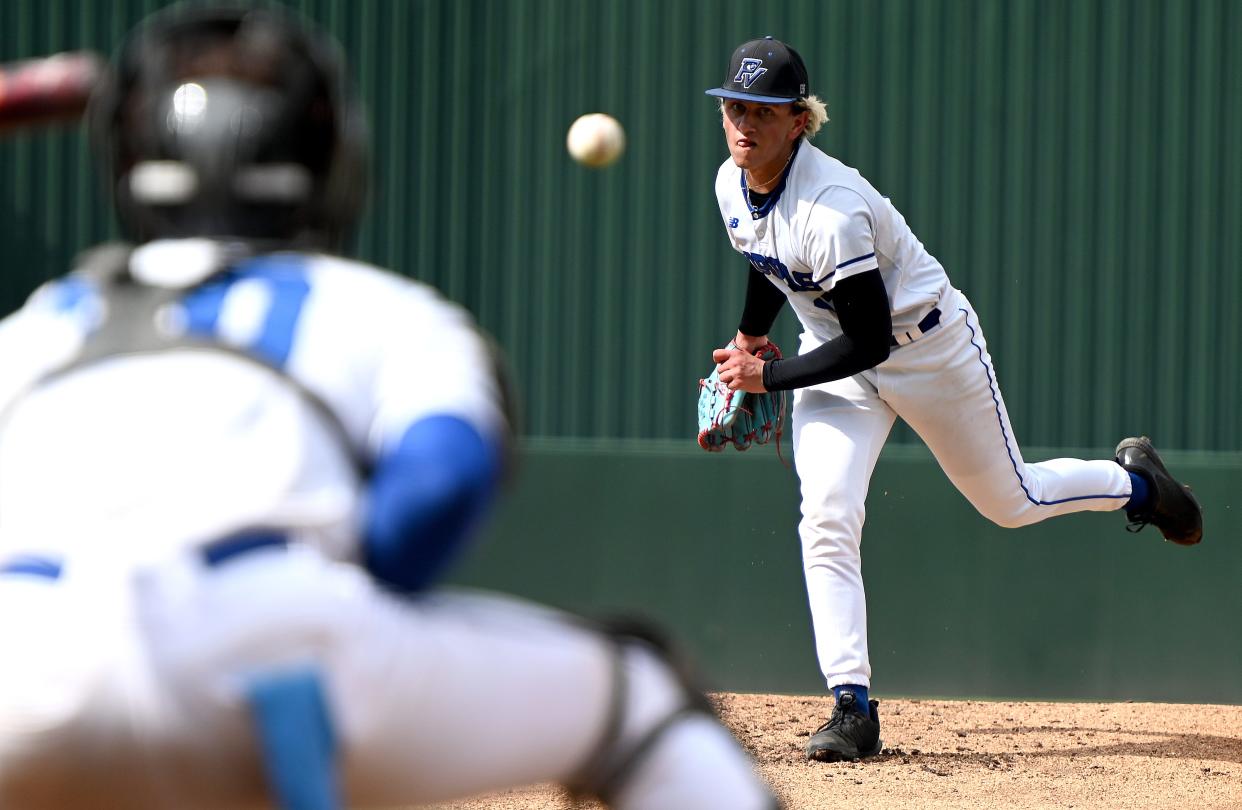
x=885, y=335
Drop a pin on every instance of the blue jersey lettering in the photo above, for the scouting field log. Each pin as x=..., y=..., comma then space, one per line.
x=797, y=282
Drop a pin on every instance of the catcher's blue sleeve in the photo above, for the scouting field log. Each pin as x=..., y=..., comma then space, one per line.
x=426, y=495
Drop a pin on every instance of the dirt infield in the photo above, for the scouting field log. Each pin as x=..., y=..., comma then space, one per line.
x=942, y=754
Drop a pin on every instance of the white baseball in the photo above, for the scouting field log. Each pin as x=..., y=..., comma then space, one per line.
x=595, y=140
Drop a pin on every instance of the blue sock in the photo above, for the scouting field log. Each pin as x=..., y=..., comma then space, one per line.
x=1140, y=494
x=860, y=692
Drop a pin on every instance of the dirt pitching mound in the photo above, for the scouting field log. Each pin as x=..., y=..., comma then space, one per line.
x=977, y=754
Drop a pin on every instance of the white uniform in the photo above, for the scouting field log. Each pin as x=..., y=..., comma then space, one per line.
x=235, y=446
x=124, y=667
x=827, y=223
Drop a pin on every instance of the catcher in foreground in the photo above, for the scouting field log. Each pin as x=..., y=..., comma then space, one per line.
x=230, y=477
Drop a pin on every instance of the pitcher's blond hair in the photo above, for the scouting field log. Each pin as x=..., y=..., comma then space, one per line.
x=818, y=114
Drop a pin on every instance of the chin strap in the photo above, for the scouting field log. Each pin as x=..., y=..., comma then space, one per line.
x=610, y=765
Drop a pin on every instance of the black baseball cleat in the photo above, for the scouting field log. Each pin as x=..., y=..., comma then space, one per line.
x=848, y=734
x=1172, y=508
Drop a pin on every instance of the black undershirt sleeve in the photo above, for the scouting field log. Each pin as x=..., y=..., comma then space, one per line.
x=861, y=303
x=763, y=303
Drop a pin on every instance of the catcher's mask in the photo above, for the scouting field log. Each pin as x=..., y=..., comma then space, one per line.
x=231, y=122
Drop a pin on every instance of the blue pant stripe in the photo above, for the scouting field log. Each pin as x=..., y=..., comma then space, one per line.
x=294, y=729
x=1000, y=421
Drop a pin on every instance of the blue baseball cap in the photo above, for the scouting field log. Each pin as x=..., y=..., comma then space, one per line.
x=765, y=70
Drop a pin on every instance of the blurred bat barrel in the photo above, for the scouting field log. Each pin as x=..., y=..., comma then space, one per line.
x=49, y=90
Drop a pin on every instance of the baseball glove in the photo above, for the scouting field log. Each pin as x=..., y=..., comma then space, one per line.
x=737, y=417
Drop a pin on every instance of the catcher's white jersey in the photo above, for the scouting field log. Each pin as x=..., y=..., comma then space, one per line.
x=825, y=222
x=165, y=450
x=135, y=643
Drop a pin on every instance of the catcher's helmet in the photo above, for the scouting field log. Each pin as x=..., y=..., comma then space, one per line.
x=231, y=122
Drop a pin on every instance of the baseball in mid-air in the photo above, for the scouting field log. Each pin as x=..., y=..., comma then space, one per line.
x=595, y=140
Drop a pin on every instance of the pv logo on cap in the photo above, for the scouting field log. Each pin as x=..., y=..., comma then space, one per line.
x=749, y=72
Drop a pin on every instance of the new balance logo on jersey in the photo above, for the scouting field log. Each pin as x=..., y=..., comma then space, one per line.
x=750, y=70
x=733, y=222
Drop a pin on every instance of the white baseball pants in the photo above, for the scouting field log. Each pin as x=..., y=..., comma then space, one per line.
x=125, y=692
x=943, y=385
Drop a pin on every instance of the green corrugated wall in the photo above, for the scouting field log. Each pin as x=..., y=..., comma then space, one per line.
x=1075, y=165
x=1072, y=608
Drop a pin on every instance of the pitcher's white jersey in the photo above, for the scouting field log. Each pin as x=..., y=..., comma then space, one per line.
x=825, y=222
x=169, y=449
